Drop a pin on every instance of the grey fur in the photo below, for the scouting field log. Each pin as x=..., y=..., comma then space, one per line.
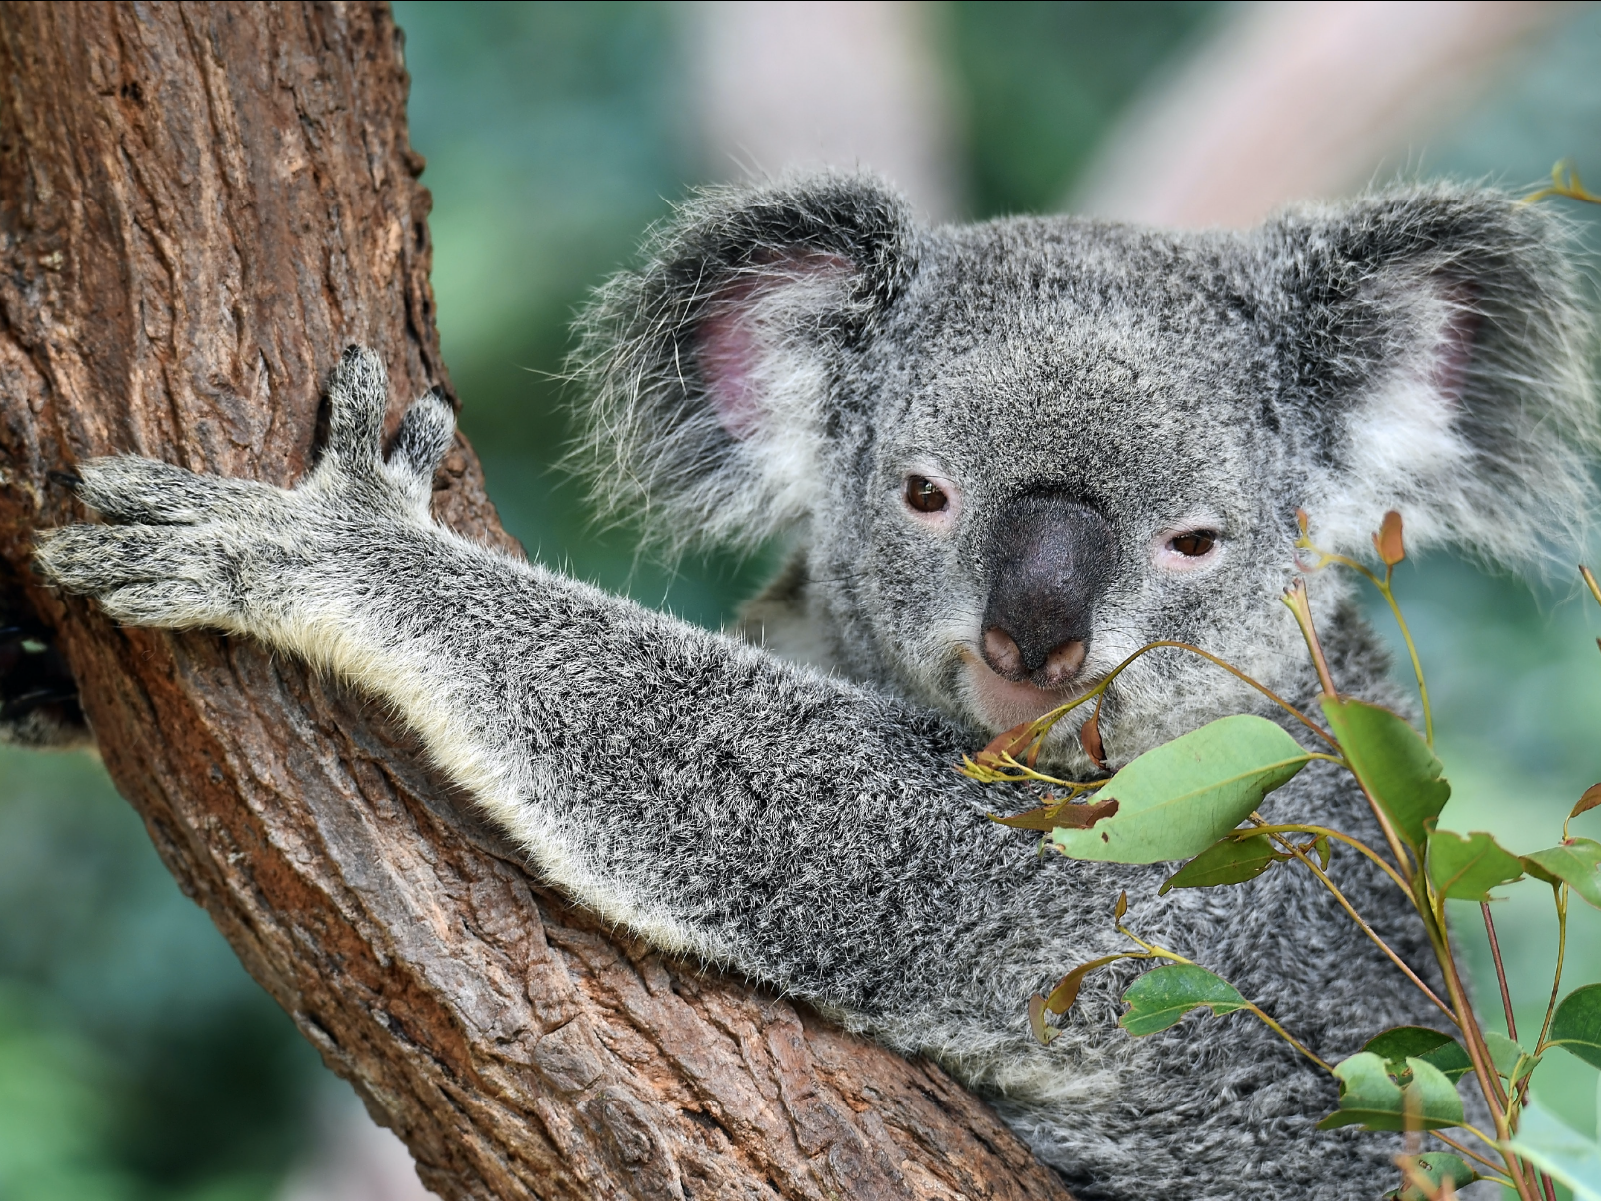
x=807, y=829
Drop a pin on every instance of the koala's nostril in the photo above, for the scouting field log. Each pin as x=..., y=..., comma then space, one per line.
x=1001, y=653
x=1062, y=664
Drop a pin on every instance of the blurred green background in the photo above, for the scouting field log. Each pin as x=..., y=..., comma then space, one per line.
x=137, y=1060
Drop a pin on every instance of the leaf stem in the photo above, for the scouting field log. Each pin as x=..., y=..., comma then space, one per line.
x=1356, y=917
x=1383, y=585
x=1500, y=972
x=1289, y=1038
x=1047, y=720
x=1559, y=895
x=1463, y=1150
x=1325, y=832
x=1483, y=1069
x=1295, y=596
x=1589, y=579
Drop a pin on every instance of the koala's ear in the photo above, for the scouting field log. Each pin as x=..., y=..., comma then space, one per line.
x=1434, y=351
x=713, y=375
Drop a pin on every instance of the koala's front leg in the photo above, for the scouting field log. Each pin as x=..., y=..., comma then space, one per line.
x=677, y=781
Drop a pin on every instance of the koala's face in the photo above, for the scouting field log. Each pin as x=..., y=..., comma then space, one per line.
x=1016, y=453
x=1065, y=463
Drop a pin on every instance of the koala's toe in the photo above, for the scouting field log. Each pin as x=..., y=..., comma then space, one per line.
x=175, y=603
x=126, y=488
x=425, y=434
x=358, y=393
x=95, y=559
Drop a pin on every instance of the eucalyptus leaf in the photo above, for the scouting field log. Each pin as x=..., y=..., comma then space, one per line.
x=1178, y=799
x=1442, y=1051
x=1465, y=869
x=1576, y=1025
x=1504, y=1053
x=1366, y=1092
x=1547, y=1142
x=1393, y=762
x=1043, y=1030
x=1229, y=861
x=1574, y=863
x=1066, y=991
x=1161, y=998
x=1369, y=1098
x=1436, y=1167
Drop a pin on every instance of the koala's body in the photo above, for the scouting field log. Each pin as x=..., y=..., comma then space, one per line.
x=1008, y=455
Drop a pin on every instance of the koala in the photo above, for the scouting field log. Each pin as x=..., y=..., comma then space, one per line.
x=1005, y=456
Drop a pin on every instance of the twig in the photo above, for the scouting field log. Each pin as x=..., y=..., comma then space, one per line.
x=1500, y=972
x=1356, y=917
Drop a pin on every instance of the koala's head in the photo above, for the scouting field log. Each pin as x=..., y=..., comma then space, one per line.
x=1013, y=453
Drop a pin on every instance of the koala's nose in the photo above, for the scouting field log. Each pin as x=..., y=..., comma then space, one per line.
x=1050, y=557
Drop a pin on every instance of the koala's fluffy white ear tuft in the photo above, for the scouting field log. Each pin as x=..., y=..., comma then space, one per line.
x=1436, y=358
x=711, y=375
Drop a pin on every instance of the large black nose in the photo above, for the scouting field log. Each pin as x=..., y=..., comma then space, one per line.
x=1050, y=559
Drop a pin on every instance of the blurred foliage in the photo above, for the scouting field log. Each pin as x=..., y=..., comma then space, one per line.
x=1042, y=83
x=137, y=1060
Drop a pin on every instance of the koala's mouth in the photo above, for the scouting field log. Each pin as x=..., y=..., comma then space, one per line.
x=1003, y=703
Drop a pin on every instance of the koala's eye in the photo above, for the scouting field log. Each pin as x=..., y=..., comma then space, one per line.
x=1193, y=544
x=924, y=495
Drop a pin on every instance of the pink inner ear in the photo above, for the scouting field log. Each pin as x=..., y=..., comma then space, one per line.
x=727, y=348
x=1453, y=355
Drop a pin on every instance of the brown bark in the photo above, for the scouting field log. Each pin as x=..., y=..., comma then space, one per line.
x=200, y=206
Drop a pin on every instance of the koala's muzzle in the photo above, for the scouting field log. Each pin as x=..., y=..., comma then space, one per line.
x=1050, y=558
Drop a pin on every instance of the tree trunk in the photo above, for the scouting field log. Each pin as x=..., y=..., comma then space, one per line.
x=200, y=205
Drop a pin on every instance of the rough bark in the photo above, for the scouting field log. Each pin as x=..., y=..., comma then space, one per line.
x=200, y=205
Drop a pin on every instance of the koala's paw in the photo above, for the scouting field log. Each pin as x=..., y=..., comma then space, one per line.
x=180, y=549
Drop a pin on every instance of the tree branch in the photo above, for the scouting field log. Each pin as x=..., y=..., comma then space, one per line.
x=200, y=205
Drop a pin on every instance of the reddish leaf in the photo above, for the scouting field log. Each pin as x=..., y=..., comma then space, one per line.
x=1090, y=736
x=1388, y=540
x=1590, y=799
x=1066, y=992
x=1064, y=815
x=1036, y=1020
x=1122, y=907
x=1007, y=742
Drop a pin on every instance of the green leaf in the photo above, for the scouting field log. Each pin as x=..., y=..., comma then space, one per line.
x=1178, y=799
x=1393, y=762
x=1442, y=1051
x=1159, y=999
x=1574, y=863
x=1436, y=1167
x=1576, y=1025
x=1366, y=1093
x=1467, y=868
x=1546, y=1141
x=1505, y=1053
x=1230, y=861
x=1368, y=1097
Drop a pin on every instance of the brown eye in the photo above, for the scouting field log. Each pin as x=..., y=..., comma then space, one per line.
x=925, y=495
x=1194, y=544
